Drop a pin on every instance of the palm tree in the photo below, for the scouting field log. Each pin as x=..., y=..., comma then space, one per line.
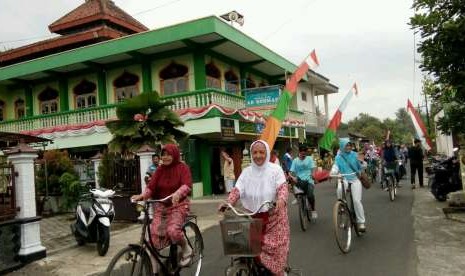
x=144, y=120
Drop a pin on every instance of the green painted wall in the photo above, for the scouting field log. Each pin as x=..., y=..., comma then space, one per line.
x=205, y=167
x=199, y=70
x=147, y=77
x=102, y=88
x=63, y=94
x=29, y=100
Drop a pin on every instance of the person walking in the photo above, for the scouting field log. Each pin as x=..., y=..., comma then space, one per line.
x=416, y=155
x=228, y=171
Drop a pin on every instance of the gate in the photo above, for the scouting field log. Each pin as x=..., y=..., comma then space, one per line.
x=8, y=208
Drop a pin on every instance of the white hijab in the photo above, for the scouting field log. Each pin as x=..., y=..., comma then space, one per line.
x=258, y=184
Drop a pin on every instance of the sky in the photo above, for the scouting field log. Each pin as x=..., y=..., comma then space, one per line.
x=363, y=41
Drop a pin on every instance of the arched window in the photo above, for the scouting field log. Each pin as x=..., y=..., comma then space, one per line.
x=85, y=94
x=2, y=110
x=48, y=99
x=250, y=83
x=174, y=78
x=126, y=86
x=19, y=109
x=232, y=81
x=213, y=76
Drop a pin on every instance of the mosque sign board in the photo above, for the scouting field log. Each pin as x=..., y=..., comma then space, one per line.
x=262, y=96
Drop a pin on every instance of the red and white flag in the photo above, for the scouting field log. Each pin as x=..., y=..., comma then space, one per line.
x=420, y=128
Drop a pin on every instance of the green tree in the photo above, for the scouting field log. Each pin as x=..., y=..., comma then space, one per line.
x=441, y=24
x=144, y=120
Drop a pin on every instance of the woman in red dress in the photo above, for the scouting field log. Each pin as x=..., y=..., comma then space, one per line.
x=172, y=177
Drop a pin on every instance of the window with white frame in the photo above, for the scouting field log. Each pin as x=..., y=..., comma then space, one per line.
x=19, y=109
x=85, y=94
x=232, y=82
x=48, y=99
x=213, y=76
x=174, y=78
x=126, y=86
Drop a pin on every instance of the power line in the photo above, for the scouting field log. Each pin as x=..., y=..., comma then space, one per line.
x=289, y=20
x=157, y=7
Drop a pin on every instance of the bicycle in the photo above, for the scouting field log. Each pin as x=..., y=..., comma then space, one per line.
x=372, y=169
x=135, y=259
x=305, y=210
x=242, y=241
x=344, y=217
x=389, y=179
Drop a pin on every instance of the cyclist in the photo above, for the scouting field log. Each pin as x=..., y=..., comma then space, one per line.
x=389, y=159
x=371, y=157
x=346, y=163
x=301, y=173
x=171, y=177
x=260, y=182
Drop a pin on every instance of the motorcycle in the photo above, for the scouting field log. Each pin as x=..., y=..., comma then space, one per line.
x=94, y=214
x=402, y=171
x=444, y=177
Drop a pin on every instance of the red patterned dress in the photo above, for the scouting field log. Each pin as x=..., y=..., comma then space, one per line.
x=168, y=219
x=275, y=244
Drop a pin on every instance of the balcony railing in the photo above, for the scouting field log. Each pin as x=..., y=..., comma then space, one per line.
x=194, y=99
x=205, y=97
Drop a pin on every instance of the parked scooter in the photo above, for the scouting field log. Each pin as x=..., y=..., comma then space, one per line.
x=444, y=177
x=94, y=214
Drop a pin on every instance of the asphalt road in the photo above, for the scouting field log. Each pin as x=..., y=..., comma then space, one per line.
x=386, y=249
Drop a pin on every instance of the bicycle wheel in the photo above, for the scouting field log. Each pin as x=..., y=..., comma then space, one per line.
x=194, y=239
x=392, y=188
x=131, y=260
x=302, y=212
x=342, y=226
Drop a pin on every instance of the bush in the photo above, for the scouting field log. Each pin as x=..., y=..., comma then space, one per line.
x=71, y=188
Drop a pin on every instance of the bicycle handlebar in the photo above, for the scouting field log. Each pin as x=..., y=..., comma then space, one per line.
x=155, y=200
x=244, y=214
x=341, y=174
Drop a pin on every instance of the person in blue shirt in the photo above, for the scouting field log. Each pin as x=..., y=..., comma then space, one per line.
x=301, y=172
x=287, y=160
x=348, y=165
x=152, y=168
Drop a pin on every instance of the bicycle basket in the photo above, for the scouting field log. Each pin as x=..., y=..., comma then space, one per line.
x=241, y=236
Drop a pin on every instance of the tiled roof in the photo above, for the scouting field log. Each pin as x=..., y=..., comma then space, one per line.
x=89, y=36
x=93, y=10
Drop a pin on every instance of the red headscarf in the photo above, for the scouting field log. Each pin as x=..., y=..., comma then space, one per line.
x=167, y=179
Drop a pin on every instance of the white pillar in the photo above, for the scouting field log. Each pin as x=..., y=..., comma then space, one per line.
x=96, y=165
x=22, y=158
x=145, y=160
